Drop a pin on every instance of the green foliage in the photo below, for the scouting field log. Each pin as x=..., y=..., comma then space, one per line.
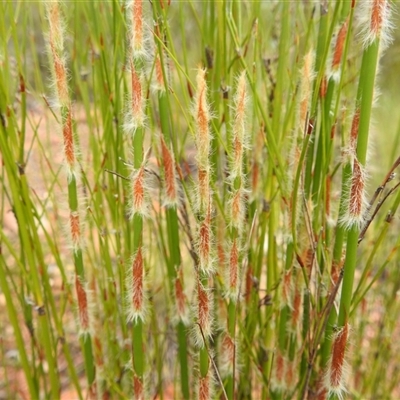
x=308, y=264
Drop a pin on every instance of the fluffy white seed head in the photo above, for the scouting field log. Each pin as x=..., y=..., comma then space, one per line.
x=337, y=370
x=203, y=315
x=374, y=22
x=278, y=381
x=230, y=358
x=232, y=272
x=134, y=115
x=171, y=194
x=202, y=117
x=136, y=288
x=239, y=129
x=85, y=304
x=306, y=80
x=138, y=30
x=139, y=201
x=336, y=61
x=237, y=209
x=356, y=199
x=181, y=313
x=205, y=386
x=205, y=244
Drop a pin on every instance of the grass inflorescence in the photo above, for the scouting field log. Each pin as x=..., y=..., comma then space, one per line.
x=190, y=205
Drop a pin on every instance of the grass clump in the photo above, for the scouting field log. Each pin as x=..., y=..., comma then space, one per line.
x=188, y=206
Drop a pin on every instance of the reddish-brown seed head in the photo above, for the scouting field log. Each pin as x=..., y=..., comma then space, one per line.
x=75, y=229
x=337, y=365
x=137, y=28
x=204, y=388
x=69, y=151
x=279, y=367
x=296, y=309
x=204, y=243
x=169, y=172
x=137, y=281
x=289, y=374
x=340, y=41
x=61, y=78
x=287, y=289
x=376, y=16
x=203, y=188
x=159, y=75
x=354, y=131
x=357, y=190
x=237, y=209
x=202, y=120
x=136, y=93
x=82, y=305
x=234, y=267
x=138, y=201
x=98, y=351
x=228, y=349
x=138, y=390
x=204, y=310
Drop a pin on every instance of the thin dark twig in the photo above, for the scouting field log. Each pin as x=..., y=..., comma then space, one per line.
x=377, y=208
x=116, y=174
x=213, y=363
x=389, y=176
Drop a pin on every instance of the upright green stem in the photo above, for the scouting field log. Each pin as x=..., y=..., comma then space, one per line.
x=137, y=329
x=340, y=233
x=174, y=262
x=57, y=51
x=73, y=204
x=364, y=99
